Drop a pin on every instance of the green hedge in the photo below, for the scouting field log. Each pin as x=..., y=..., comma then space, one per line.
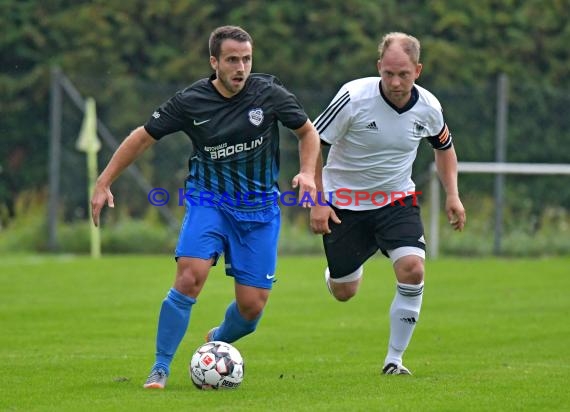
x=525, y=234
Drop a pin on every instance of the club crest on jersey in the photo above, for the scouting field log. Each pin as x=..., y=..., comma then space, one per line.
x=255, y=116
x=419, y=129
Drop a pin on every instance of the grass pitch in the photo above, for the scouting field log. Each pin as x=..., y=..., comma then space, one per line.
x=78, y=335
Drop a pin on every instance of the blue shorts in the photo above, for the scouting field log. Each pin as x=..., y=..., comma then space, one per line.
x=250, y=247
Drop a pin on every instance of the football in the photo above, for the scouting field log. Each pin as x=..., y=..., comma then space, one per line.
x=216, y=365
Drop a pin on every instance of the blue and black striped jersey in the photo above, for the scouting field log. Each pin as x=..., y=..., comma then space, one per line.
x=235, y=140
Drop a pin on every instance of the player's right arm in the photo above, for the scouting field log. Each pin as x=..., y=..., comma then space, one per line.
x=321, y=213
x=130, y=149
x=332, y=124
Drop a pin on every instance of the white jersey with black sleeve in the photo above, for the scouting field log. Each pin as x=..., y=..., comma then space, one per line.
x=374, y=143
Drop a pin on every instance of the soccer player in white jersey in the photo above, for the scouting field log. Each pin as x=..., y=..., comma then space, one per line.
x=373, y=127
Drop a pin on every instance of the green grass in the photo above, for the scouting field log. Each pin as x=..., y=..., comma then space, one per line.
x=494, y=335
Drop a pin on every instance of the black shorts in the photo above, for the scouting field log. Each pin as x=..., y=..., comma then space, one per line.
x=362, y=233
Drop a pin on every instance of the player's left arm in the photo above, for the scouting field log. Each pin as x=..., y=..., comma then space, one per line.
x=309, y=151
x=446, y=165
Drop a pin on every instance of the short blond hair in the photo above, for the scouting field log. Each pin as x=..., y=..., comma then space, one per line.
x=409, y=44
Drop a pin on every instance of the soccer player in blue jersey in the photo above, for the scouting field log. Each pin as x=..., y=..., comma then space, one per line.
x=232, y=120
x=373, y=127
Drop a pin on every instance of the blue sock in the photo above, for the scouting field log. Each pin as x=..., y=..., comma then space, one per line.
x=234, y=325
x=172, y=324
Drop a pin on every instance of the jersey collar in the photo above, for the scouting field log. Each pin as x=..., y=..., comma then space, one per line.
x=413, y=99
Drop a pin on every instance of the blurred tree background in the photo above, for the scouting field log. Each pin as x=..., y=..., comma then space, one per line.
x=133, y=54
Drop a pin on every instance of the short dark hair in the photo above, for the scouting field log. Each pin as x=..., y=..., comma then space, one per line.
x=226, y=32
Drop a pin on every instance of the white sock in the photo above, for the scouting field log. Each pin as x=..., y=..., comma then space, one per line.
x=404, y=314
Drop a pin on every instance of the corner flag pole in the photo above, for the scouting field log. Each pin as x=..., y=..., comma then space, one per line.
x=89, y=143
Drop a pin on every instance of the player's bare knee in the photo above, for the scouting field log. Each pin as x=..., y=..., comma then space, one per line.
x=346, y=287
x=344, y=291
x=251, y=301
x=190, y=279
x=250, y=306
x=410, y=270
x=250, y=311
